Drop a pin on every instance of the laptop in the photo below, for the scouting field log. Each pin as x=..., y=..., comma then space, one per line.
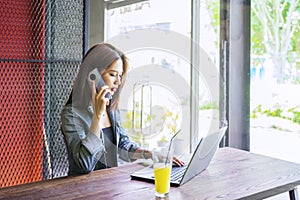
x=199, y=161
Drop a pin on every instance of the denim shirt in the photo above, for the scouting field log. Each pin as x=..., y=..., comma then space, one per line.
x=86, y=152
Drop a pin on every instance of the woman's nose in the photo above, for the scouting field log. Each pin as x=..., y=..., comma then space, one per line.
x=118, y=80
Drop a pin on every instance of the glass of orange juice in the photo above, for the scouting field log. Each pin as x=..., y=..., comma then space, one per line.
x=162, y=165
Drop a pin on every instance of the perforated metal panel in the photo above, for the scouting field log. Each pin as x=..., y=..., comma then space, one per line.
x=41, y=48
x=64, y=49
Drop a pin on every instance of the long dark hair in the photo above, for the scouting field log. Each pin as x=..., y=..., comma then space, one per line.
x=101, y=56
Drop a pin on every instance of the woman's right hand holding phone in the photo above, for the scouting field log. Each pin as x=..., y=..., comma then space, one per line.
x=99, y=103
x=99, y=100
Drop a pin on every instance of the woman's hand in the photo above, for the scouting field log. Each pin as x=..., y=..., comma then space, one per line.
x=177, y=162
x=99, y=101
x=146, y=154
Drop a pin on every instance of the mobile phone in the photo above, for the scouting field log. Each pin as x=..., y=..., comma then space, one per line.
x=95, y=76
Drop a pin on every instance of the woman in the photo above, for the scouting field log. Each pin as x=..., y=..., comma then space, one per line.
x=91, y=121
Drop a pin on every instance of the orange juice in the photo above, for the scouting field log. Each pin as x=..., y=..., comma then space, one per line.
x=162, y=178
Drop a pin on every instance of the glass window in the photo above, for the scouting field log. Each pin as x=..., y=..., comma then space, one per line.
x=156, y=101
x=209, y=61
x=275, y=75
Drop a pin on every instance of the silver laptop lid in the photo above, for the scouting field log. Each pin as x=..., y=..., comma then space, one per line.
x=203, y=154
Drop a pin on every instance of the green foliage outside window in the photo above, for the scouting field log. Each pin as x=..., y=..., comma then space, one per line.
x=292, y=114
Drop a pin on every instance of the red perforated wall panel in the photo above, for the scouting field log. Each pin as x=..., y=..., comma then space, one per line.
x=22, y=35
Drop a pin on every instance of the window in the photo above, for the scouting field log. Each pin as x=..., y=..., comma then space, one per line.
x=165, y=82
x=275, y=74
x=156, y=93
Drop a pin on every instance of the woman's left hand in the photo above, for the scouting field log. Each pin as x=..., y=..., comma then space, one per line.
x=177, y=162
x=148, y=154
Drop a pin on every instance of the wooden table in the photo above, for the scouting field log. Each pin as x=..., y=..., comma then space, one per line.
x=233, y=174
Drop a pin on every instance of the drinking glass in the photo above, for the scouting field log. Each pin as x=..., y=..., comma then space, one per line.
x=162, y=165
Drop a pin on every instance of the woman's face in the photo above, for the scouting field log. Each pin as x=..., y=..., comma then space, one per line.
x=112, y=75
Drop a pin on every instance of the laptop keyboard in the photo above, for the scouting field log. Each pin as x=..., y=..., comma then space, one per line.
x=177, y=173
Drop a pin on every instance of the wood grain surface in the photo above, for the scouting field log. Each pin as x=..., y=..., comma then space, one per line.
x=233, y=174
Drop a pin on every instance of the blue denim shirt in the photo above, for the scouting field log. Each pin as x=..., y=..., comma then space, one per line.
x=86, y=152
